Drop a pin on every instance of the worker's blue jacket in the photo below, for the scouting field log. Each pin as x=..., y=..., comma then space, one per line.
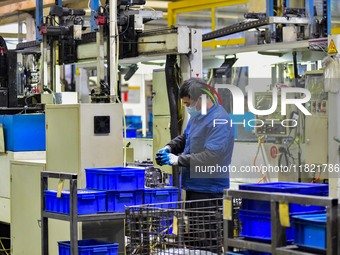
x=206, y=145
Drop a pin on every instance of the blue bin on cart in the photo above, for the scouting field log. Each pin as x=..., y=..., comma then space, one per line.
x=255, y=214
x=310, y=231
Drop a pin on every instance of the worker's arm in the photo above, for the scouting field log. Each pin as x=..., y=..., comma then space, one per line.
x=215, y=146
x=201, y=158
x=177, y=145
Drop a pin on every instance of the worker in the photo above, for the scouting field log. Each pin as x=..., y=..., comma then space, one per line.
x=203, y=145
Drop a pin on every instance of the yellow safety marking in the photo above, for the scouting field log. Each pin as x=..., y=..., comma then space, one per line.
x=227, y=209
x=331, y=48
x=175, y=226
x=284, y=214
x=60, y=188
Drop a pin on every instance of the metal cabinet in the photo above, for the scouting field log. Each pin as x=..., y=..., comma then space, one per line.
x=83, y=136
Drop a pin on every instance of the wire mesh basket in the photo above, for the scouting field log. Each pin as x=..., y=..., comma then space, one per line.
x=188, y=228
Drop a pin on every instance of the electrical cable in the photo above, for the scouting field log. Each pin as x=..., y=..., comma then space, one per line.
x=260, y=141
x=3, y=247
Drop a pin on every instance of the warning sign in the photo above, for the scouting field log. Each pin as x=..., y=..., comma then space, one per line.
x=331, y=48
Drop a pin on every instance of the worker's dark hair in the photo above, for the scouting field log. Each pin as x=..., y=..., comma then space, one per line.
x=193, y=88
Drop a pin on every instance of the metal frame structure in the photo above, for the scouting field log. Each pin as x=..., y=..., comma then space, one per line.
x=176, y=8
x=73, y=217
x=278, y=243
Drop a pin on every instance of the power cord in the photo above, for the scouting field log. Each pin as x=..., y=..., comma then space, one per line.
x=3, y=249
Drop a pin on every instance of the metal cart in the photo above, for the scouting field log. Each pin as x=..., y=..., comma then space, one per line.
x=190, y=227
x=73, y=217
x=278, y=243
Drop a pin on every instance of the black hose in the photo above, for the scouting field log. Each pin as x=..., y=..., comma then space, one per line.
x=296, y=72
x=3, y=63
x=172, y=89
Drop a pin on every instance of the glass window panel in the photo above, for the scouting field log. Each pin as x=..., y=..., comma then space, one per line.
x=335, y=13
x=198, y=19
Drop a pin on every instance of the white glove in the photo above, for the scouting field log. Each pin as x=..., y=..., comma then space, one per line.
x=173, y=159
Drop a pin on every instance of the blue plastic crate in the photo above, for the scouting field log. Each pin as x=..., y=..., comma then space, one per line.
x=257, y=225
x=310, y=231
x=24, y=132
x=89, y=201
x=115, y=178
x=131, y=132
x=118, y=200
x=89, y=247
x=161, y=195
x=284, y=187
x=131, y=119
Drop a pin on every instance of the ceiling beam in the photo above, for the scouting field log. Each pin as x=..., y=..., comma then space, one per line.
x=2, y=3
x=14, y=18
x=13, y=35
x=22, y=6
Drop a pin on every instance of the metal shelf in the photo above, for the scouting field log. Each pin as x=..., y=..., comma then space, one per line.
x=73, y=217
x=293, y=249
x=86, y=217
x=278, y=243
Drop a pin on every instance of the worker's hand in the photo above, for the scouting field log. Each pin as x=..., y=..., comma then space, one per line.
x=161, y=156
x=173, y=159
x=168, y=159
x=164, y=150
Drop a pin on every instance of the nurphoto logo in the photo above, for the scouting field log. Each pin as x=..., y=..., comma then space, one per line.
x=238, y=105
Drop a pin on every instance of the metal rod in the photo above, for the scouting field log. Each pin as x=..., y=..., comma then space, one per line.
x=277, y=231
x=38, y=18
x=73, y=216
x=290, y=198
x=44, y=220
x=113, y=47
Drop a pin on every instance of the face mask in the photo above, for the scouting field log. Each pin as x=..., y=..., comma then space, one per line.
x=193, y=111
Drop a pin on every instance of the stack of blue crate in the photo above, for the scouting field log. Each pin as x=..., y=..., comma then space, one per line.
x=163, y=196
x=124, y=186
x=89, y=201
x=108, y=190
x=254, y=215
x=111, y=190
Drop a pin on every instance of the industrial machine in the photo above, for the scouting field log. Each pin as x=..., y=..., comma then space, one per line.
x=93, y=134
x=279, y=24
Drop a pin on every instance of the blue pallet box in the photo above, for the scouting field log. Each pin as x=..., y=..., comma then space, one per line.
x=257, y=225
x=118, y=200
x=255, y=214
x=24, y=132
x=161, y=195
x=89, y=247
x=115, y=178
x=89, y=201
x=313, y=189
x=310, y=231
